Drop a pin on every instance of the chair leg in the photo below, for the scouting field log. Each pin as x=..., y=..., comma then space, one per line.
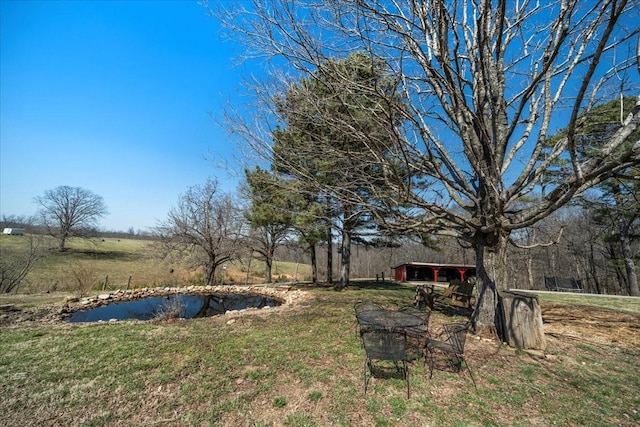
x=466, y=364
x=429, y=354
x=406, y=377
x=460, y=361
x=367, y=371
x=402, y=369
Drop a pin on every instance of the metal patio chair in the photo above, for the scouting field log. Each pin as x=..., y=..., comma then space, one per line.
x=417, y=335
x=385, y=345
x=360, y=307
x=451, y=348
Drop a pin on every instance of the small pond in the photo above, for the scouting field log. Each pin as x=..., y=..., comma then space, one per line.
x=185, y=306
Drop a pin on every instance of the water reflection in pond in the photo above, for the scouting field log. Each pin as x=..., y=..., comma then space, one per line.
x=188, y=306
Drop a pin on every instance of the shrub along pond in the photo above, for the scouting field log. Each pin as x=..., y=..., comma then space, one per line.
x=186, y=306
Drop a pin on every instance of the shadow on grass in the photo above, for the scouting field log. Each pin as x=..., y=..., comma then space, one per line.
x=452, y=311
x=102, y=255
x=358, y=284
x=377, y=285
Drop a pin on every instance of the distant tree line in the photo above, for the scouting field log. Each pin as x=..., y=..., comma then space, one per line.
x=593, y=240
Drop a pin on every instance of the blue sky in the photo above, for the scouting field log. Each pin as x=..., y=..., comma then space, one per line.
x=122, y=98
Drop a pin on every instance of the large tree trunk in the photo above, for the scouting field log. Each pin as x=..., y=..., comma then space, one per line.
x=268, y=262
x=530, y=269
x=329, y=255
x=491, y=271
x=345, y=262
x=514, y=318
x=593, y=267
x=314, y=263
x=62, y=242
x=268, y=252
x=627, y=256
x=210, y=273
x=621, y=283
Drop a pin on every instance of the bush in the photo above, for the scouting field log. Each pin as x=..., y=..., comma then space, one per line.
x=172, y=308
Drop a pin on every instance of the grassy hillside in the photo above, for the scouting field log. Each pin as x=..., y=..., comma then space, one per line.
x=91, y=261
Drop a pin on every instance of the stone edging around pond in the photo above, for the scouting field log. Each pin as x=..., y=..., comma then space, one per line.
x=283, y=294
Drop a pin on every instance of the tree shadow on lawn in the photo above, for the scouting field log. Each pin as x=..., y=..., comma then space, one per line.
x=359, y=284
x=83, y=254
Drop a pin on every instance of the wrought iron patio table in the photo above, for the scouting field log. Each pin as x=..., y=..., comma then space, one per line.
x=389, y=319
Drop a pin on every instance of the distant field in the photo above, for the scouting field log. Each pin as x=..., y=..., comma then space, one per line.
x=118, y=259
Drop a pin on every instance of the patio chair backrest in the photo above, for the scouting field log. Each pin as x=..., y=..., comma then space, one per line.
x=361, y=306
x=382, y=344
x=456, y=336
x=422, y=314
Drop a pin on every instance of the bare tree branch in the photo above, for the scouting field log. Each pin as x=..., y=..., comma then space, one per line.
x=538, y=245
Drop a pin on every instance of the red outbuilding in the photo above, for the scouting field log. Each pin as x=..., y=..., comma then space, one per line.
x=431, y=272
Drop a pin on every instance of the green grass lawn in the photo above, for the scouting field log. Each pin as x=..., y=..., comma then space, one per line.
x=299, y=366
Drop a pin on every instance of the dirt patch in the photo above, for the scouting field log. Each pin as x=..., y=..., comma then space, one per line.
x=14, y=315
x=592, y=325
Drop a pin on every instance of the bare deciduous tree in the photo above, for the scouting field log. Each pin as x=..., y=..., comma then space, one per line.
x=484, y=86
x=84, y=274
x=70, y=211
x=15, y=267
x=204, y=228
